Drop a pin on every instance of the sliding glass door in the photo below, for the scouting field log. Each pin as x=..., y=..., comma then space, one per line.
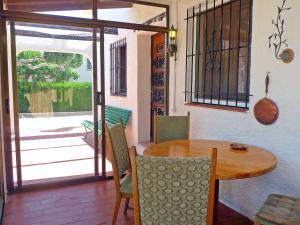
x=55, y=103
x=57, y=62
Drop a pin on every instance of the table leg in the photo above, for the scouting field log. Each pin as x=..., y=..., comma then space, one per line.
x=216, y=203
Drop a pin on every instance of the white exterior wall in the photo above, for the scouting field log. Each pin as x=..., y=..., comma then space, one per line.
x=130, y=101
x=138, y=83
x=86, y=75
x=282, y=138
x=144, y=87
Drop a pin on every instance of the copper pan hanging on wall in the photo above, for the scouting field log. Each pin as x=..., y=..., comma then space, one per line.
x=266, y=111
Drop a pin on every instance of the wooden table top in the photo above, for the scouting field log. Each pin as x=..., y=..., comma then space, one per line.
x=231, y=164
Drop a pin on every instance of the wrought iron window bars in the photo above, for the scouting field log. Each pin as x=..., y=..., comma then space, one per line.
x=118, y=68
x=218, y=52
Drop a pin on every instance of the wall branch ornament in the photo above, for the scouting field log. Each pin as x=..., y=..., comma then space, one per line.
x=277, y=40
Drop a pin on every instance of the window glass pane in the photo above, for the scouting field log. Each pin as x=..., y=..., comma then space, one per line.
x=243, y=73
x=234, y=24
x=208, y=76
x=55, y=95
x=216, y=75
x=189, y=78
x=226, y=26
x=224, y=75
x=245, y=22
x=233, y=74
x=189, y=42
x=127, y=12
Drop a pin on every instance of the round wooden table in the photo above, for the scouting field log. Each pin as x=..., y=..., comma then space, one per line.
x=231, y=164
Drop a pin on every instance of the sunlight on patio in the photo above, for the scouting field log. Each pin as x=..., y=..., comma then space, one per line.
x=55, y=148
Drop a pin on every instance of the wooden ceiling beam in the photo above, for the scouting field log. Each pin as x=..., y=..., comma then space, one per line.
x=77, y=22
x=62, y=5
x=107, y=30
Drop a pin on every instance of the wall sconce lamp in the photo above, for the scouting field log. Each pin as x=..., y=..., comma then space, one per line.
x=172, y=48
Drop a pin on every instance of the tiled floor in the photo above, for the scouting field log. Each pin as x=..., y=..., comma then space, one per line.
x=87, y=204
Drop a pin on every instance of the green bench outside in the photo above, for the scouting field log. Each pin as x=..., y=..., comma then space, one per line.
x=112, y=117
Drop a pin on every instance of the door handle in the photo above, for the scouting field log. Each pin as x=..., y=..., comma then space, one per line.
x=7, y=105
x=99, y=98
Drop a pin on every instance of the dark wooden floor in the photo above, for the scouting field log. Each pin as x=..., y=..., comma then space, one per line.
x=87, y=204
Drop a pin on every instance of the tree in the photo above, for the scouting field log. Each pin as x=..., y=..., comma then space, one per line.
x=36, y=66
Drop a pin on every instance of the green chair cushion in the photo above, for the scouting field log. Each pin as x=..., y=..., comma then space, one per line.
x=171, y=128
x=126, y=184
x=279, y=210
x=173, y=190
x=120, y=148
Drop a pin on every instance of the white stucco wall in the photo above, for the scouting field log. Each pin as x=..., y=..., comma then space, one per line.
x=282, y=138
x=144, y=86
x=138, y=83
x=130, y=101
x=86, y=75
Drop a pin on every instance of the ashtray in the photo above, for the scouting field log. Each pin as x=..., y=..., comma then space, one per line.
x=237, y=146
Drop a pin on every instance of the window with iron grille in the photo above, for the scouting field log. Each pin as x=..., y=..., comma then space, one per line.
x=218, y=53
x=118, y=68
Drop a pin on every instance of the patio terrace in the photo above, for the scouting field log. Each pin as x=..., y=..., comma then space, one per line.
x=55, y=148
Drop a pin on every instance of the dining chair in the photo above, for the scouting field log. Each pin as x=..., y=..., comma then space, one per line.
x=173, y=190
x=279, y=210
x=168, y=128
x=119, y=154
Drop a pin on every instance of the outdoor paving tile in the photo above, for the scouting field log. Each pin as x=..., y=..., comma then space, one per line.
x=57, y=154
x=36, y=144
x=55, y=148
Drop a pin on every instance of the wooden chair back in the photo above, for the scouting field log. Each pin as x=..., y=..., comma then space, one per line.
x=118, y=150
x=168, y=128
x=136, y=195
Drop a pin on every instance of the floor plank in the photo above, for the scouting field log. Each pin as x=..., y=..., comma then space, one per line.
x=86, y=204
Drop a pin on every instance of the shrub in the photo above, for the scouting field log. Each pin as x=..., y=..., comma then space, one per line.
x=81, y=98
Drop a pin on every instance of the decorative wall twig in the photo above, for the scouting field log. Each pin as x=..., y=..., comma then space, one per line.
x=277, y=40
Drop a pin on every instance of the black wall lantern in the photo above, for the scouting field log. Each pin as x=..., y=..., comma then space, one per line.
x=172, y=48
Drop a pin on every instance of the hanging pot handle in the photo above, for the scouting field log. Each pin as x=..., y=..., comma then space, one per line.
x=267, y=81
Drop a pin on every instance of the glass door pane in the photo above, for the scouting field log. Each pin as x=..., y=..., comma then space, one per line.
x=54, y=79
x=129, y=12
